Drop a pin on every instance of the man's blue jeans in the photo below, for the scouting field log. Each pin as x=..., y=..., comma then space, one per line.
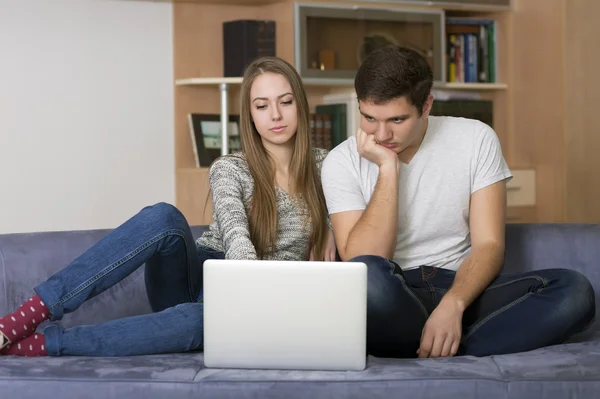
x=160, y=237
x=517, y=312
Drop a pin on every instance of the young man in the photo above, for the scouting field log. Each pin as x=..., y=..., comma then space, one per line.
x=421, y=200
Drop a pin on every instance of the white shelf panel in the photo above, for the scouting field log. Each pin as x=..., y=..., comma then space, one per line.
x=471, y=86
x=206, y=81
x=341, y=82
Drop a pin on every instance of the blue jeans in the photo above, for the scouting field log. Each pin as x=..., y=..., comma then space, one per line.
x=516, y=313
x=159, y=237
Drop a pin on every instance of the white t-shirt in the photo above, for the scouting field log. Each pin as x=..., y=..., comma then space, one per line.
x=457, y=157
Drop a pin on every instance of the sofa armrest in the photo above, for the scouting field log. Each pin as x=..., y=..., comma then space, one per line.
x=546, y=246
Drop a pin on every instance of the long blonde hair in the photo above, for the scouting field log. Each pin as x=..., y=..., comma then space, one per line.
x=262, y=217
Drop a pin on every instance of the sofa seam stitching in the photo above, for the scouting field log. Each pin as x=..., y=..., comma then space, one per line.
x=502, y=377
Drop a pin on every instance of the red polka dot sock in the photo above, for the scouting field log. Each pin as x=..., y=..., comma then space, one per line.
x=22, y=323
x=32, y=346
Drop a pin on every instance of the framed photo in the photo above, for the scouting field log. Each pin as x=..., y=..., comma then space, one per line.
x=205, y=131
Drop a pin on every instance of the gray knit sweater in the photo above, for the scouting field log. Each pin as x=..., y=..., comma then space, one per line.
x=232, y=188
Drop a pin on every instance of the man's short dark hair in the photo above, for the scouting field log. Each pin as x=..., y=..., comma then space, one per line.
x=392, y=72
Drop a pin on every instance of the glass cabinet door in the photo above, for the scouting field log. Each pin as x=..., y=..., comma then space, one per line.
x=332, y=41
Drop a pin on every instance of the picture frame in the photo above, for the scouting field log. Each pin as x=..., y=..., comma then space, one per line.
x=205, y=132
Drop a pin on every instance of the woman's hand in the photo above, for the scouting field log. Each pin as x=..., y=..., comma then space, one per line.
x=330, y=247
x=328, y=250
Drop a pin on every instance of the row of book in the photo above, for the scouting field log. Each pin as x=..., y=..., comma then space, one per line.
x=471, y=50
x=328, y=125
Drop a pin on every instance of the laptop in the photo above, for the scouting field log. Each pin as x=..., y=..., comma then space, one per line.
x=285, y=314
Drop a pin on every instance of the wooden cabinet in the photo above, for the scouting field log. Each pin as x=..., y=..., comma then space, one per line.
x=198, y=67
x=544, y=107
x=520, y=190
x=521, y=214
x=521, y=197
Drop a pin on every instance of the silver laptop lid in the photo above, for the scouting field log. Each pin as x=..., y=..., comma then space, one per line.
x=285, y=315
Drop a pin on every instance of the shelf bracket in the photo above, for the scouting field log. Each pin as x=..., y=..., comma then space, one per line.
x=224, y=119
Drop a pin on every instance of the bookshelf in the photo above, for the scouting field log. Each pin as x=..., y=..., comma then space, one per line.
x=225, y=83
x=200, y=88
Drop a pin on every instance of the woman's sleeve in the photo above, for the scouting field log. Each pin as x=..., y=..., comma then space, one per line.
x=230, y=212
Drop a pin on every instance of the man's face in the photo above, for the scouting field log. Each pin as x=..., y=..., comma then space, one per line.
x=396, y=124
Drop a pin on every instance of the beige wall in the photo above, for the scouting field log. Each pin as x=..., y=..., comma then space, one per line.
x=86, y=112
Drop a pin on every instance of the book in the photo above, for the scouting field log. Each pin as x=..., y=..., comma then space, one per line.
x=245, y=40
x=339, y=125
x=471, y=50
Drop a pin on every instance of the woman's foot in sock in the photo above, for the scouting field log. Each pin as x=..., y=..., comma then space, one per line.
x=32, y=346
x=22, y=323
x=4, y=341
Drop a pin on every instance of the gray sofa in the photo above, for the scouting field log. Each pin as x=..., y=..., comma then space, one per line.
x=569, y=370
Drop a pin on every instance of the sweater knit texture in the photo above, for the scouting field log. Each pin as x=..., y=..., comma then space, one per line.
x=232, y=189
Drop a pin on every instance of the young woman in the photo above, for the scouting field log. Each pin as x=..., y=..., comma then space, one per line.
x=268, y=204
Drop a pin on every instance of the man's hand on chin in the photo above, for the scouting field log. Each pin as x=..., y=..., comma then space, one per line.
x=368, y=148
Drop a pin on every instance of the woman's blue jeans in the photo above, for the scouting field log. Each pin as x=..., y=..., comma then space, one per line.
x=159, y=237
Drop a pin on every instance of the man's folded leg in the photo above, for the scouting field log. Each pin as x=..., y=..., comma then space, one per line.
x=526, y=311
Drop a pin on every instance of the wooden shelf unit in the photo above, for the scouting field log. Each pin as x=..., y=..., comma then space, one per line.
x=198, y=65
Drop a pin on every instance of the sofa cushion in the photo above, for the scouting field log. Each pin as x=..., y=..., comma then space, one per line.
x=568, y=370
x=184, y=375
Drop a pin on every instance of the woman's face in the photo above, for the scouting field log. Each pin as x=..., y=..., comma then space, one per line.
x=273, y=109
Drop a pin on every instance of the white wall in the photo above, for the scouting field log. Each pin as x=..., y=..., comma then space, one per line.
x=86, y=112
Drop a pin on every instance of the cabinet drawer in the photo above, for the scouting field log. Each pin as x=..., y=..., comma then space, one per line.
x=521, y=214
x=520, y=190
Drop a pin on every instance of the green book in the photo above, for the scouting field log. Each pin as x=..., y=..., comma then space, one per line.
x=339, y=121
x=491, y=36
